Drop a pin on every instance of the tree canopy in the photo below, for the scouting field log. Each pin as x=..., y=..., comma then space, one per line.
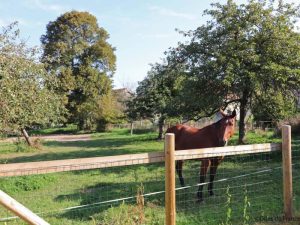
x=27, y=96
x=156, y=95
x=77, y=52
x=243, y=54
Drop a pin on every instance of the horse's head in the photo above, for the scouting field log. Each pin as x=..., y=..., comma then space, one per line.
x=226, y=127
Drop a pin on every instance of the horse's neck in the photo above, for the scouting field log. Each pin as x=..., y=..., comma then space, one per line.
x=209, y=131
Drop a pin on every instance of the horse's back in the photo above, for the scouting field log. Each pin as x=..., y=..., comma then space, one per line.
x=180, y=129
x=186, y=137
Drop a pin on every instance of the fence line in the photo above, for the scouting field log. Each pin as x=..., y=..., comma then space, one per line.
x=156, y=193
x=43, y=167
x=18, y=169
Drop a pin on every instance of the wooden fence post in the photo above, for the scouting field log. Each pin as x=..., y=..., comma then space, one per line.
x=21, y=211
x=287, y=171
x=170, y=203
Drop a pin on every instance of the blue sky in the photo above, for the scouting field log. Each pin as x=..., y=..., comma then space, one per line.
x=140, y=30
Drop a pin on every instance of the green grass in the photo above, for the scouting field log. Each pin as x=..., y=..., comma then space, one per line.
x=52, y=192
x=116, y=142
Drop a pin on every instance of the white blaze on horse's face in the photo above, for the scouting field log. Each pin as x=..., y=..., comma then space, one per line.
x=227, y=128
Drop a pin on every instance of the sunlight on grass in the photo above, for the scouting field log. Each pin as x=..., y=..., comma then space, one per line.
x=51, y=193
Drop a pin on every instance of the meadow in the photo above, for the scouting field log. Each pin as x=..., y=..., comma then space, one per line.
x=248, y=188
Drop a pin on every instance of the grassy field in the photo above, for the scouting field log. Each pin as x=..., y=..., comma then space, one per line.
x=247, y=188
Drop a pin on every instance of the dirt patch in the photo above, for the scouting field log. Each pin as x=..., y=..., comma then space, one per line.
x=60, y=138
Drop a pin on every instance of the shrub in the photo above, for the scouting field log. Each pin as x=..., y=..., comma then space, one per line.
x=293, y=121
x=27, y=183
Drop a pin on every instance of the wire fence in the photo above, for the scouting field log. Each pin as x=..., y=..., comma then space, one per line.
x=103, y=195
x=296, y=176
x=247, y=189
x=138, y=126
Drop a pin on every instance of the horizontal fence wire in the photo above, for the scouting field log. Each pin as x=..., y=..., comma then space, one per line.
x=249, y=186
x=296, y=176
x=247, y=189
x=90, y=196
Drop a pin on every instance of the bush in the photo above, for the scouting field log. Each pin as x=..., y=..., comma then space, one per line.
x=102, y=125
x=293, y=121
x=27, y=183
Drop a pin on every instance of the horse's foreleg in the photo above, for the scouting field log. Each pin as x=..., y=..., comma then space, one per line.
x=203, y=170
x=179, y=165
x=213, y=170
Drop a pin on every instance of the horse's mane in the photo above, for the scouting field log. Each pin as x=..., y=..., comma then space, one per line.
x=217, y=124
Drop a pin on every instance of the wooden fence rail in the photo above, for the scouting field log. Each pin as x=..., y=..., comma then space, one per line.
x=169, y=156
x=43, y=167
x=20, y=210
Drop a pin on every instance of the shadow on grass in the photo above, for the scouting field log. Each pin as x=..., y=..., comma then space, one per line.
x=103, y=142
x=98, y=198
x=104, y=146
x=265, y=198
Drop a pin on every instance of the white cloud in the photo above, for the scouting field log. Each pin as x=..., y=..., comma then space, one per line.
x=21, y=22
x=46, y=6
x=172, y=13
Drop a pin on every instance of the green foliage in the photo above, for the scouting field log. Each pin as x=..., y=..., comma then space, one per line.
x=21, y=146
x=228, y=205
x=273, y=106
x=247, y=204
x=27, y=96
x=293, y=121
x=76, y=51
x=243, y=55
x=27, y=183
x=156, y=95
x=129, y=215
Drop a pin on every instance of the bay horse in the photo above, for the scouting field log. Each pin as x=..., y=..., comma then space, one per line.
x=214, y=135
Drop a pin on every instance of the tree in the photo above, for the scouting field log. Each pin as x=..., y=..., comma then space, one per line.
x=77, y=52
x=27, y=97
x=274, y=107
x=155, y=95
x=103, y=110
x=244, y=54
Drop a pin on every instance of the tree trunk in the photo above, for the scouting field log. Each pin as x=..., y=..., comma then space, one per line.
x=161, y=123
x=26, y=136
x=243, y=111
x=80, y=125
x=131, y=128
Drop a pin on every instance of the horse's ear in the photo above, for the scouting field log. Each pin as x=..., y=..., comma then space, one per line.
x=233, y=114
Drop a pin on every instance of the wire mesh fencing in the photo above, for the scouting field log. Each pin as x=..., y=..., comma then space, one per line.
x=246, y=189
x=132, y=194
x=296, y=177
